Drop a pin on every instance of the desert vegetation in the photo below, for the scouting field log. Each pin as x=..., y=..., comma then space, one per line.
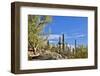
x=40, y=48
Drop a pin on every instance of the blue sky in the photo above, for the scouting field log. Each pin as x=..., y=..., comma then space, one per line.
x=74, y=28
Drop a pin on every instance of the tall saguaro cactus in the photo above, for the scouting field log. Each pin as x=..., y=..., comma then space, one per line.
x=63, y=45
x=59, y=43
x=75, y=47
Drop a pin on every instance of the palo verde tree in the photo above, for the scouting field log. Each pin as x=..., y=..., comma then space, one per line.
x=36, y=24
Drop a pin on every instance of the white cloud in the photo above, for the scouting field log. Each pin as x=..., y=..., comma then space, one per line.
x=75, y=36
x=54, y=36
x=51, y=41
x=80, y=35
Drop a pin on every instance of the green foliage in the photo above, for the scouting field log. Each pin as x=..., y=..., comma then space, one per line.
x=81, y=52
x=36, y=25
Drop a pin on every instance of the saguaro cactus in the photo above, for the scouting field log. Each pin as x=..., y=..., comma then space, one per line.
x=59, y=43
x=63, y=45
x=48, y=43
x=75, y=47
